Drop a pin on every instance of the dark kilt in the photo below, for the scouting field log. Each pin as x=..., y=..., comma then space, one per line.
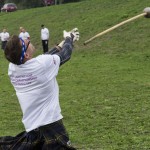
x=48, y=137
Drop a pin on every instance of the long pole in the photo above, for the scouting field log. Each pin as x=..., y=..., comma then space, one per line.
x=114, y=27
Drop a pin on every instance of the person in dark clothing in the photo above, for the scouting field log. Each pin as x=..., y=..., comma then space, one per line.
x=44, y=38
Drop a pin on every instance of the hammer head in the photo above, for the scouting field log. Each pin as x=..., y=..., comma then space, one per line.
x=147, y=11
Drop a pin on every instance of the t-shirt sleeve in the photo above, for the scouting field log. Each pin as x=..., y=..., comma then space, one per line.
x=50, y=64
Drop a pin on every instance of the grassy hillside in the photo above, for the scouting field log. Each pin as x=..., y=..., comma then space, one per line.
x=108, y=80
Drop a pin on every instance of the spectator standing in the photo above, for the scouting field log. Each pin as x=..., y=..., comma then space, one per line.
x=4, y=38
x=24, y=34
x=20, y=29
x=44, y=38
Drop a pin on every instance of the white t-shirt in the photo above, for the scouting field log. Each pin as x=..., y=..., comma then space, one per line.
x=37, y=90
x=24, y=35
x=44, y=34
x=4, y=36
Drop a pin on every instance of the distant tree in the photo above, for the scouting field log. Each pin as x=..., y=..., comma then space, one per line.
x=1, y=2
x=34, y=3
x=23, y=4
x=61, y=1
x=68, y=1
x=65, y=1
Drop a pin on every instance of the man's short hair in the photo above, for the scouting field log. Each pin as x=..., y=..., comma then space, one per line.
x=42, y=25
x=13, y=50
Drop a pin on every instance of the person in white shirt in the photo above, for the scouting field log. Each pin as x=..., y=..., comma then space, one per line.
x=4, y=38
x=24, y=34
x=34, y=80
x=44, y=38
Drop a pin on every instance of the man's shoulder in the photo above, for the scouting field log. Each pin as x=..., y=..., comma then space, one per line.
x=44, y=57
x=47, y=58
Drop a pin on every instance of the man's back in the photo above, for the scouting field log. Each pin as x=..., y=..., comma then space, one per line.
x=37, y=90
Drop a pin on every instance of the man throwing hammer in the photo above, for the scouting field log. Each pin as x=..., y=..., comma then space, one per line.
x=34, y=80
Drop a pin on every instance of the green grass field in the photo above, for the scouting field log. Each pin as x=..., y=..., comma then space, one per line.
x=108, y=80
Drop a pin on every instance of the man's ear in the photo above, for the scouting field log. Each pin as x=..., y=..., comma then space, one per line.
x=26, y=55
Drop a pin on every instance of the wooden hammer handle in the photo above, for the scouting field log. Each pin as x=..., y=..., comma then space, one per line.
x=114, y=27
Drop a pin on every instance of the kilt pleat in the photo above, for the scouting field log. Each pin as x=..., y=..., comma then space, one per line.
x=49, y=137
